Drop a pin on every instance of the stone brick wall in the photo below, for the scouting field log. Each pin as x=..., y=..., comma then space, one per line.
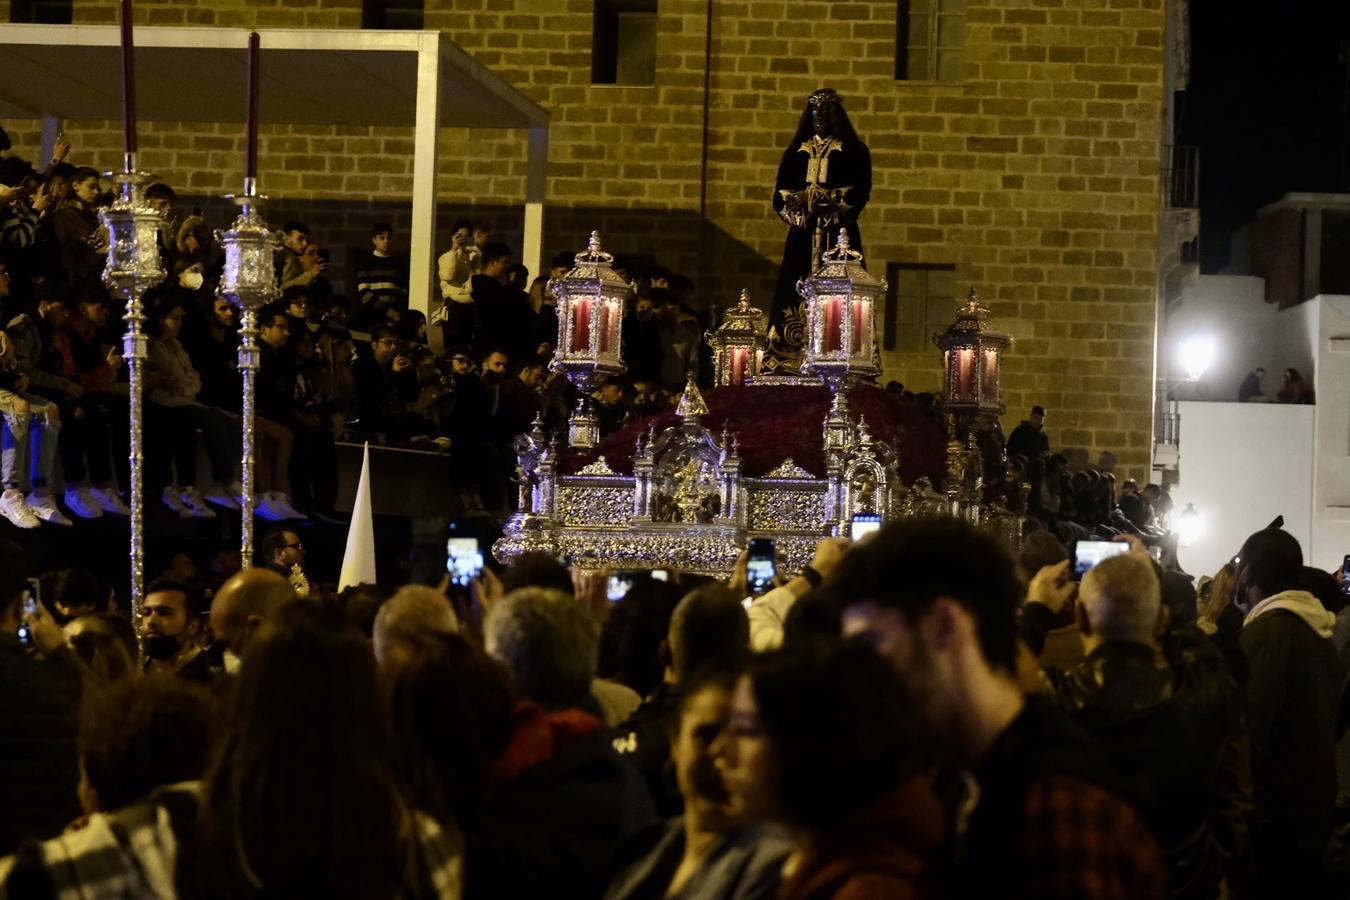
x=1036, y=176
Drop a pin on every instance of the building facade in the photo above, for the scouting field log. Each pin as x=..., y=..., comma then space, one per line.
x=1018, y=153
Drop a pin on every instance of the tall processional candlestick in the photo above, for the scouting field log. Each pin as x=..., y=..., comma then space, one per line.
x=133, y=266
x=249, y=282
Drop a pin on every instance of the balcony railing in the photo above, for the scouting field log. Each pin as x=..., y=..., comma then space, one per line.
x=1181, y=177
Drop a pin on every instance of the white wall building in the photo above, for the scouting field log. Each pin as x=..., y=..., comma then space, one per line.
x=1242, y=464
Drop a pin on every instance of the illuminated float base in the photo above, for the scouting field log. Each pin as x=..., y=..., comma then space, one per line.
x=687, y=490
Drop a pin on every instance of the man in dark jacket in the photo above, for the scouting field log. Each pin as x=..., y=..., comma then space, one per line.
x=385, y=381
x=939, y=599
x=563, y=802
x=1173, y=731
x=1293, y=693
x=39, y=702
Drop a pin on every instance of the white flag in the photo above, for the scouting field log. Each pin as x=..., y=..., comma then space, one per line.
x=358, y=561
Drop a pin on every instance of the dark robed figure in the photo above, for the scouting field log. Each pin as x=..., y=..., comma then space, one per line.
x=824, y=181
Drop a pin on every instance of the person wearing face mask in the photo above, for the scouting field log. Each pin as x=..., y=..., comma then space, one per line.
x=170, y=624
x=191, y=278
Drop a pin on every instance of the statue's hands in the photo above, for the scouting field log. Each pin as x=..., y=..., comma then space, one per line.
x=794, y=208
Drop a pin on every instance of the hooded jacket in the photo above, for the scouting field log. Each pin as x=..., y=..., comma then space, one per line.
x=1293, y=693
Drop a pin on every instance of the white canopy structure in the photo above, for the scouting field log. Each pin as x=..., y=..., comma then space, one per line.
x=309, y=77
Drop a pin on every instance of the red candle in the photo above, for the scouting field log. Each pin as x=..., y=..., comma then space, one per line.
x=581, y=325
x=609, y=326
x=834, y=309
x=858, y=326
x=965, y=358
x=128, y=82
x=251, y=131
x=738, y=357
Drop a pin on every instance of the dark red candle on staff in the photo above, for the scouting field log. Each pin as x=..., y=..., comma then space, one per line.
x=251, y=133
x=128, y=82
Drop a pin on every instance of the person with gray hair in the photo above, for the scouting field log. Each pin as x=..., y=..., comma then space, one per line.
x=414, y=610
x=1120, y=600
x=1172, y=727
x=563, y=803
x=549, y=643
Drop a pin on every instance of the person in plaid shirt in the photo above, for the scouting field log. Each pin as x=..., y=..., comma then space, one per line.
x=1037, y=816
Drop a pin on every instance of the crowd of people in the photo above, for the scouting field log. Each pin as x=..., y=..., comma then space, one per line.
x=917, y=714
x=334, y=366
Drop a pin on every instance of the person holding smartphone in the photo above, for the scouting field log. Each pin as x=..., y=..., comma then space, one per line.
x=769, y=611
x=40, y=694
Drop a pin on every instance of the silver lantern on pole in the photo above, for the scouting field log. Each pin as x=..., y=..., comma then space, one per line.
x=738, y=344
x=841, y=301
x=590, y=320
x=133, y=266
x=249, y=282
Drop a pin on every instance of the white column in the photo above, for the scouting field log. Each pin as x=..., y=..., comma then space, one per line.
x=536, y=187
x=423, y=286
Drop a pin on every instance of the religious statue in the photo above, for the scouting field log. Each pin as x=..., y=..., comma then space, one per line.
x=824, y=181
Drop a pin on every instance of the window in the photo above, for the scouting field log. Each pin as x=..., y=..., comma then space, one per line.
x=393, y=15
x=623, y=49
x=920, y=302
x=930, y=35
x=41, y=12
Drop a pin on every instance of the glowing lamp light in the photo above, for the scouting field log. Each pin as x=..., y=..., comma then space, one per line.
x=1190, y=526
x=1197, y=355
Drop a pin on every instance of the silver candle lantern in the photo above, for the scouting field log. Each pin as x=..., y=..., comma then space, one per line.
x=133, y=266
x=590, y=319
x=249, y=282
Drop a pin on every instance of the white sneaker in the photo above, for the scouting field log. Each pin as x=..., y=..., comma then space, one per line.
x=81, y=502
x=276, y=507
x=221, y=496
x=110, y=501
x=45, y=508
x=195, y=504
x=15, y=508
x=170, y=497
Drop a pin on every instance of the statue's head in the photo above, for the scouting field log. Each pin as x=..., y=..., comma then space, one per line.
x=825, y=107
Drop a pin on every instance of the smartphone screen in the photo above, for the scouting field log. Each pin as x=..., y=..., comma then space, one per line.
x=1345, y=574
x=863, y=524
x=761, y=566
x=1088, y=553
x=463, y=560
x=30, y=608
x=619, y=585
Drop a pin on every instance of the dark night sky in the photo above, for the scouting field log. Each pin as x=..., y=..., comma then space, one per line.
x=1265, y=106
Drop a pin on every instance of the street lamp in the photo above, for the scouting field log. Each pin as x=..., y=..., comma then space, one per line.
x=1189, y=525
x=1197, y=354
